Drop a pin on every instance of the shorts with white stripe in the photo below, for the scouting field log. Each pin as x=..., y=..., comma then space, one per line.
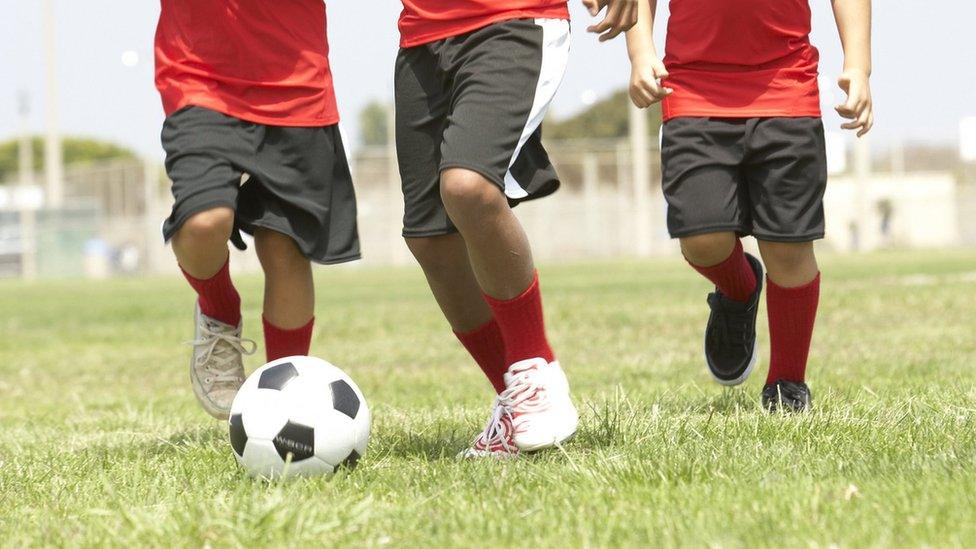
x=477, y=101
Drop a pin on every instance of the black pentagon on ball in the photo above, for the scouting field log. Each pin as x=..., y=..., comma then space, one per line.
x=344, y=398
x=276, y=377
x=295, y=439
x=349, y=463
x=238, y=436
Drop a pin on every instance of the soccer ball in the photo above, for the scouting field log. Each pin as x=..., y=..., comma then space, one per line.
x=298, y=416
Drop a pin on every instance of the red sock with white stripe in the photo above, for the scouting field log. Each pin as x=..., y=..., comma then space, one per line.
x=281, y=342
x=521, y=324
x=792, y=312
x=217, y=296
x=487, y=347
x=734, y=276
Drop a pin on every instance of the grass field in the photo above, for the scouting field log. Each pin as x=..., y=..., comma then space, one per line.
x=101, y=440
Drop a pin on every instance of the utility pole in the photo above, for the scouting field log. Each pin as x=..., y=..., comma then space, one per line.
x=862, y=179
x=25, y=151
x=898, y=158
x=398, y=250
x=641, y=178
x=53, y=162
x=153, y=236
x=591, y=204
x=28, y=221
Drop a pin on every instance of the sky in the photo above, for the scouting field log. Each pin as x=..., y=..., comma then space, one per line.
x=924, y=73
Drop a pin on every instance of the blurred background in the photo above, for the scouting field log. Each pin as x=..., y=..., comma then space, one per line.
x=83, y=190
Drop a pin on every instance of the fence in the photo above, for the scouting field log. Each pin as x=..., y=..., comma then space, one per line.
x=112, y=223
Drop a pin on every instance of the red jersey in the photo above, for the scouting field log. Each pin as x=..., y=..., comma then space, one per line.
x=256, y=60
x=423, y=21
x=741, y=58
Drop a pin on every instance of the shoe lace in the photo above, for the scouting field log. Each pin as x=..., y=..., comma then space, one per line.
x=525, y=393
x=497, y=432
x=222, y=349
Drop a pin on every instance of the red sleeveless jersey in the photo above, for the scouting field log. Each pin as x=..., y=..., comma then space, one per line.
x=423, y=21
x=741, y=58
x=260, y=61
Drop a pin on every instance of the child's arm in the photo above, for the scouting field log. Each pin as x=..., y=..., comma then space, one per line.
x=646, y=67
x=854, y=25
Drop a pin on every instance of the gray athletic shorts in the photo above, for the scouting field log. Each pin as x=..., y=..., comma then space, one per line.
x=477, y=101
x=299, y=182
x=755, y=176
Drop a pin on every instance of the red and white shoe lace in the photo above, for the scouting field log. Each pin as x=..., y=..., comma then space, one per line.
x=525, y=394
x=496, y=440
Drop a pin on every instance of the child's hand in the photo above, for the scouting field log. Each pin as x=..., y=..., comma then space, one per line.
x=858, y=107
x=645, y=85
x=620, y=17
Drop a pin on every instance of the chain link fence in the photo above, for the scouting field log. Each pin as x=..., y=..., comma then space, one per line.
x=111, y=222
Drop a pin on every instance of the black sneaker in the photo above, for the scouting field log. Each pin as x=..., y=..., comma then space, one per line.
x=792, y=396
x=730, y=337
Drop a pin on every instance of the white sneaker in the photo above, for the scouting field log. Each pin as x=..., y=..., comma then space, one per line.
x=538, y=402
x=217, y=364
x=496, y=440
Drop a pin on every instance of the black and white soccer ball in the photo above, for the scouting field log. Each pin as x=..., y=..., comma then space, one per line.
x=298, y=416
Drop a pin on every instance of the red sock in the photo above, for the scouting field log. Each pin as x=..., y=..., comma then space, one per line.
x=734, y=277
x=521, y=324
x=487, y=347
x=792, y=312
x=217, y=296
x=279, y=343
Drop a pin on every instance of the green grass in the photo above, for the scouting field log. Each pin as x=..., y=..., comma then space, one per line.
x=102, y=442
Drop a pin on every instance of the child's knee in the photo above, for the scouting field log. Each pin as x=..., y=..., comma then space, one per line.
x=437, y=254
x=708, y=249
x=787, y=255
x=214, y=224
x=424, y=249
x=277, y=249
x=465, y=189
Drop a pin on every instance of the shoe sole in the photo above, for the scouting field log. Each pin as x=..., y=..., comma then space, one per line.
x=745, y=373
x=547, y=446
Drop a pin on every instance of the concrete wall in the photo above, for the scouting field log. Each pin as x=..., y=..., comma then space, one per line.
x=911, y=210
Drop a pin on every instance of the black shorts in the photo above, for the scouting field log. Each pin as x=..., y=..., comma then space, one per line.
x=476, y=101
x=755, y=176
x=298, y=180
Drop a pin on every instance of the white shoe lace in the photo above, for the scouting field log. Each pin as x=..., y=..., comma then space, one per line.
x=496, y=432
x=525, y=393
x=220, y=361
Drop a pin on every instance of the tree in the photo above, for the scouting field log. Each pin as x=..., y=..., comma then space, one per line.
x=605, y=119
x=374, y=124
x=76, y=150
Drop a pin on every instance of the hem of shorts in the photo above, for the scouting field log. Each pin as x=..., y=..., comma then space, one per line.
x=789, y=238
x=248, y=227
x=738, y=229
x=209, y=205
x=262, y=120
x=425, y=234
x=741, y=232
x=480, y=170
x=545, y=192
x=501, y=18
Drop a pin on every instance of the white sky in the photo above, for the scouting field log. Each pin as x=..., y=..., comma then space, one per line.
x=925, y=72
